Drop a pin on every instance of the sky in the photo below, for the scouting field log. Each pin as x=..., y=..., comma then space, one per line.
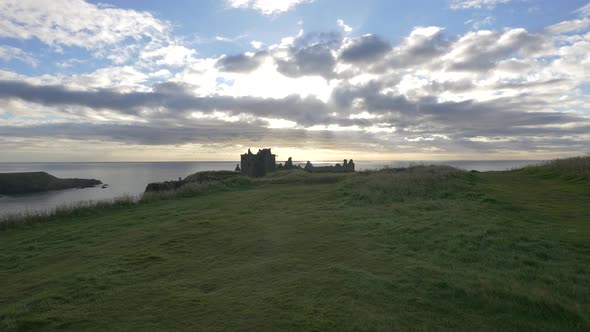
x=312, y=79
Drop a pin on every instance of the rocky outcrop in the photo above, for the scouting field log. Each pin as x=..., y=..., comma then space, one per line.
x=347, y=166
x=164, y=186
x=31, y=182
x=199, y=177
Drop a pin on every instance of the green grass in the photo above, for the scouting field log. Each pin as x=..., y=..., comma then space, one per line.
x=296, y=251
x=576, y=168
x=416, y=182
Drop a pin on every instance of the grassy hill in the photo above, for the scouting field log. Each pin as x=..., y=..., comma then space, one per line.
x=30, y=182
x=424, y=248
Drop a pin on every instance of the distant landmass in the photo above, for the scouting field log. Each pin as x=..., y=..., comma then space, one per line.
x=32, y=182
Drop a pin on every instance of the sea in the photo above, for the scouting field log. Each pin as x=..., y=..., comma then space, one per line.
x=133, y=177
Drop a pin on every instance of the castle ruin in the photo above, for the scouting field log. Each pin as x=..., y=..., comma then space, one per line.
x=263, y=162
x=347, y=166
x=257, y=165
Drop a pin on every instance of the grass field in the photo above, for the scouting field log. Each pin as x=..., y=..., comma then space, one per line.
x=426, y=248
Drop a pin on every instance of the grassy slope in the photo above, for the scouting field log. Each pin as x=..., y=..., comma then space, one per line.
x=511, y=253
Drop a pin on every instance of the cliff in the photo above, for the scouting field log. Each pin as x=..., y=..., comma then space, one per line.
x=199, y=177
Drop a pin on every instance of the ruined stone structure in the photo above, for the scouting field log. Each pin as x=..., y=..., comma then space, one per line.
x=258, y=164
x=263, y=162
x=347, y=166
x=288, y=165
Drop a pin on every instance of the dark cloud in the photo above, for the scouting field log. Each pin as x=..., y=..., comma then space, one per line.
x=308, y=61
x=516, y=117
x=171, y=88
x=310, y=54
x=241, y=63
x=218, y=132
x=469, y=118
x=304, y=110
x=481, y=51
x=367, y=48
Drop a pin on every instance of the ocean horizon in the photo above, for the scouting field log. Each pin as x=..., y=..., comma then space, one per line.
x=131, y=178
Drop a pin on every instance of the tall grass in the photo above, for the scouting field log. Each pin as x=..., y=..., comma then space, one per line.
x=400, y=184
x=577, y=166
x=65, y=210
x=566, y=167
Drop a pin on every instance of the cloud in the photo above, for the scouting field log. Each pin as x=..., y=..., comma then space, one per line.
x=488, y=91
x=476, y=4
x=310, y=60
x=478, y=24
x=584, y=10
x=423, y=45
x=172, y=106
x=230, y=39
x=162, y=103
x=9, y=53
x=241, y=63
x=120, y=78
x=170, y=55
x=570, y=26
x=76, y=23
x=256, y=44
x=579, y=24
x=267, y=7
x=481, y=50
x=311, y=54
x=192, y=133
x=343, y=25
x=366, y=48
